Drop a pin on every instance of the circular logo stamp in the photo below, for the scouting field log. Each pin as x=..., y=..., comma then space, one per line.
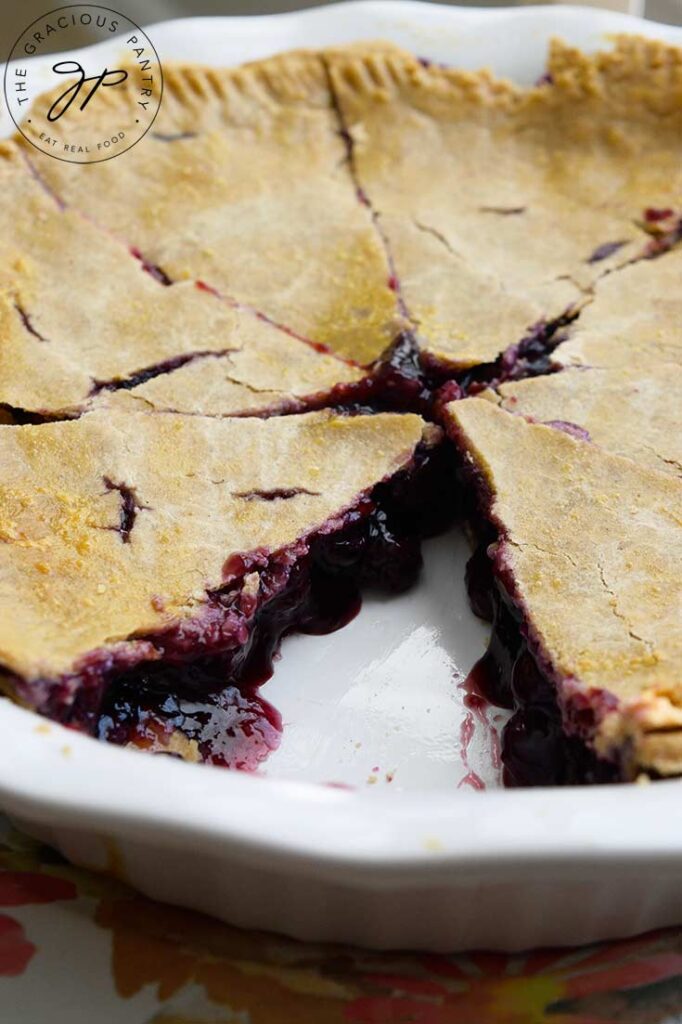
x=90, y=104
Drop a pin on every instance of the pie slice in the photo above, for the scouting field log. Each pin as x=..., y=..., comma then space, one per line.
x=634, y=320
x=243, y=183
x=79, y=316
x=583, y=568
x=625, y=410
x=166, y=555
x=501, y=205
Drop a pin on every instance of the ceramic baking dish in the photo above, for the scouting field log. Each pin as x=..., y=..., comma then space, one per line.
x=362, y=827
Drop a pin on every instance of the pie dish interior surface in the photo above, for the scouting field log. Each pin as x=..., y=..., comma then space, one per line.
x=361, y=230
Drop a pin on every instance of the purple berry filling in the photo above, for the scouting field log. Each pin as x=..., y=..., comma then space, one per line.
x=529, y=357
x=403, y=380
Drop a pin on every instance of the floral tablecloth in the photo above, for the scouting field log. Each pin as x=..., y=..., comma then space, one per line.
x=78, y=948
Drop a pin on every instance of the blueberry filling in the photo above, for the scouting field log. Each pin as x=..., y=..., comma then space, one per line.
x=197, y=693
x=404, y=379
x=18, y=417
x=536, y=749
x=158, y=273
x=407, y=378
x=530, y=357
x=229, y=726
x=401, y=377
x=401, y=380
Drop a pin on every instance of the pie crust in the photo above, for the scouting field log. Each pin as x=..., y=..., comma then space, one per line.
x=464, y=169
x=80, y=315
x=634, y=319
x=243, y=183
x=627, y=411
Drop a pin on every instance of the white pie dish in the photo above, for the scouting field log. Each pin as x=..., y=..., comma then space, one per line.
x=405, y=858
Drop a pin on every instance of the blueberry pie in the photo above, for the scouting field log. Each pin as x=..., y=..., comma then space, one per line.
x=329, y=301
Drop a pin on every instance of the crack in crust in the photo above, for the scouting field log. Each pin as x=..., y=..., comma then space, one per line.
x=504, y=211
x=27, y=322
x=139, y=377
x=275, y=494
x=613, y=603
x=130, y=506
x=155, y=271
x=349, y=143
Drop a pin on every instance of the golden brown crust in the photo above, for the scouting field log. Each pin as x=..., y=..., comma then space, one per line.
x=199, y=99
x=243, y=183
x=629, y=411
x=638, y=79
x=495, y=198
x=593, y=544
x=635, y=319
x=70, y=583
x=443, y=156
x=76, y=308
